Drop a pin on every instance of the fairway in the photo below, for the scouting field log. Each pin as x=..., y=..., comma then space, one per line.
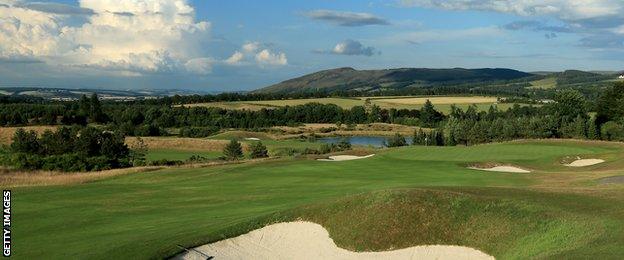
x=145, y=215
x=178, y=155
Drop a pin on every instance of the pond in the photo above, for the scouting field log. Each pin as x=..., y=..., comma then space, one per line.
x=374, y=141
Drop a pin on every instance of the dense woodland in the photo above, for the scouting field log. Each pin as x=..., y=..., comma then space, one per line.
x=95, y=130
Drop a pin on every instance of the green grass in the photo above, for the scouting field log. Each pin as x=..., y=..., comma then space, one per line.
x=145, y=215
x=178, y=155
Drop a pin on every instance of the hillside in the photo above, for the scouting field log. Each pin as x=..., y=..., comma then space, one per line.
x=342, y=79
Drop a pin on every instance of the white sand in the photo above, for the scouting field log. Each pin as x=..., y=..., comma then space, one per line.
x=252, y=139
x=585, y=162
x=306, y=240
x=502, y=169
x=338, y=158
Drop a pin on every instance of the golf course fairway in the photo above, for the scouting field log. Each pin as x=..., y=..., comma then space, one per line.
x=398, y=198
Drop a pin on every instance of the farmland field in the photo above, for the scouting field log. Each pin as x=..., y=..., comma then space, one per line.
x=427, y=193
x=441, y=103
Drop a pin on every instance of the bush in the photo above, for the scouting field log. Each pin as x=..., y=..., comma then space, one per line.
x=165, y=162
x=396, y=141
x=258, y=150
x=612, y=131
x=233, y=151
x=198, y=132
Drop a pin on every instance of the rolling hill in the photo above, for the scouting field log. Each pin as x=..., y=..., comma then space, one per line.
x=343, y=79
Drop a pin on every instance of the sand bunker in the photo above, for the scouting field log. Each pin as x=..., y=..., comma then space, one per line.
x=338, y=158
x=306, y=240
x=252, y=139
x=501, y=169
x=585, y=162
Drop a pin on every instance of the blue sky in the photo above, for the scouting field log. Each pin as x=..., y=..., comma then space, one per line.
x=241, y=45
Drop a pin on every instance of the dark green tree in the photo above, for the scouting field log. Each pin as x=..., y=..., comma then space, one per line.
x=233, y=151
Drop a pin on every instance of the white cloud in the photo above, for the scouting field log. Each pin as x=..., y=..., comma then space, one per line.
x=251, y=47
x=564, y=9
x=261, y=53
x=351, y=48
x=266, y=57
x=236, y=58
x=150, y=36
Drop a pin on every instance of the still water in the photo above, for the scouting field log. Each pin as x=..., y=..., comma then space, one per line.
x=374, y=141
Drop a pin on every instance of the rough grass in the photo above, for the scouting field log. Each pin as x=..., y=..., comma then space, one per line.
x=180, y=144
x=500, y=222
x=145, y=215
x=546, y=83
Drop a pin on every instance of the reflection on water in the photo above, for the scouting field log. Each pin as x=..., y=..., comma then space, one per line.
x=374, y=141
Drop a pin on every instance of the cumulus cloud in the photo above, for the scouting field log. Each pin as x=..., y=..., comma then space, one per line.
x=266, y=57
x=597, y=18
x=258, y=53
x=145, y=36
x=351, y=47
x=350, y=19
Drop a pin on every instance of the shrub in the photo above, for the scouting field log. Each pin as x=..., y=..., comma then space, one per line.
x=165, y=162
x=258, y=150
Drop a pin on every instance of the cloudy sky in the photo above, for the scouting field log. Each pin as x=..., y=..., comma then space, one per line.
x=215, y=45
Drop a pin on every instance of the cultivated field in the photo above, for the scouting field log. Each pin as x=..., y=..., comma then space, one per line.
x=395, y=199
x=441, y=103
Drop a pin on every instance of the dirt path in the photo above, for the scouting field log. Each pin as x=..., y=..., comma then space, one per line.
x=306, y=240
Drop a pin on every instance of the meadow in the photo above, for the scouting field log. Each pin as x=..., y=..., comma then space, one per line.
x=423, y=195
x=442, y=104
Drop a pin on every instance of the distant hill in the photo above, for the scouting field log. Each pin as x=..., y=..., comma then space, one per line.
x=105, y=94
x=343, y=79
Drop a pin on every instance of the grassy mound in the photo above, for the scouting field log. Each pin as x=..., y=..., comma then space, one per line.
x=508, y=224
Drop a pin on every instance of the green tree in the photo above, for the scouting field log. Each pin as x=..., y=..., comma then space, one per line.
x=258, y=150
x=429, y=117
x=233, y=151
x=569, y=104
x=25, y=142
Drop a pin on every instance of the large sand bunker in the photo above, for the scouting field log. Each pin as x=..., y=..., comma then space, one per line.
x=338, y=158
x=306, y=240
x=501, y=169
x=585, y=162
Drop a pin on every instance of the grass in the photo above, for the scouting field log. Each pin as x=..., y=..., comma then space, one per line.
x=414, y=189
x=180, y=155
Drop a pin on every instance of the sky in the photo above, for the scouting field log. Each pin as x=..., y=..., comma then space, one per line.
x=234, y=45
